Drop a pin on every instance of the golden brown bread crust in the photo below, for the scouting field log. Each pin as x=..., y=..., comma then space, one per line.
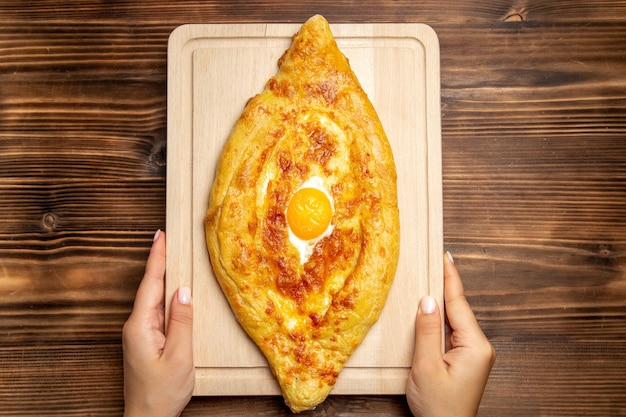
x=312, y=119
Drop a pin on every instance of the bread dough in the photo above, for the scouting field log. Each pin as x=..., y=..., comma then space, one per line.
x=306, y=303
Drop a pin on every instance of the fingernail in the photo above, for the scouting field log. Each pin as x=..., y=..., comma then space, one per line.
x=427, y=305
x=449, y=255
x=156, y=235
x=184, y=295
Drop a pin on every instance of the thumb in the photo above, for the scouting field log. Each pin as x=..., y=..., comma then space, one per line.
x=179, y=329
x=428, y=333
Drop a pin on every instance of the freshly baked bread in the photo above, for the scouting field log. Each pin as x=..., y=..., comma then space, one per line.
x=302, y=226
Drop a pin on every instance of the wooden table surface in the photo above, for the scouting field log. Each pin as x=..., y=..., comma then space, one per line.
x=533, y=100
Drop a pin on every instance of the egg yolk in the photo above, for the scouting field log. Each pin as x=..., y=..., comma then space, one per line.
x=308, y=213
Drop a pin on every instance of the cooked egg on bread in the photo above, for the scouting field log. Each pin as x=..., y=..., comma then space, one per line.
x=302, y=226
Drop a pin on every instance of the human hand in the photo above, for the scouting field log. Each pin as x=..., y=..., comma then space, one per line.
x=452, y=383
x=158, y=369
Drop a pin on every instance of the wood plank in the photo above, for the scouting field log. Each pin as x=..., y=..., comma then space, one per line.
x=426, y=11
x=61, y=379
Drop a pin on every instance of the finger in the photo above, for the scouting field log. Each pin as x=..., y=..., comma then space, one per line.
x=151, y=291
x=427, y=333
x=458, y=311
x=180, y=326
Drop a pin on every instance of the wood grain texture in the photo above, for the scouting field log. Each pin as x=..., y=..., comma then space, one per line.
x=534, y=175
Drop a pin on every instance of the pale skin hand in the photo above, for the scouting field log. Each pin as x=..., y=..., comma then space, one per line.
x=451, y=383
x=158, y=369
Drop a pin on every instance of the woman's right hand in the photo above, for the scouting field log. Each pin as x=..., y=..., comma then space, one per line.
x=451, y=383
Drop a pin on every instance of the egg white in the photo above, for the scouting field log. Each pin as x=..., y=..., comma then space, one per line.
x=305, y=247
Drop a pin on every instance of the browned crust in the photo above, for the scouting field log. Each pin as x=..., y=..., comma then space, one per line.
x=312, y=119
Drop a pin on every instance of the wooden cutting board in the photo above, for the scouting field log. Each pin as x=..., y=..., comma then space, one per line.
x=212, y=71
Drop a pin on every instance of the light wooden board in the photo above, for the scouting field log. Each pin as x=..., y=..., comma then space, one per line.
x=212, y=71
